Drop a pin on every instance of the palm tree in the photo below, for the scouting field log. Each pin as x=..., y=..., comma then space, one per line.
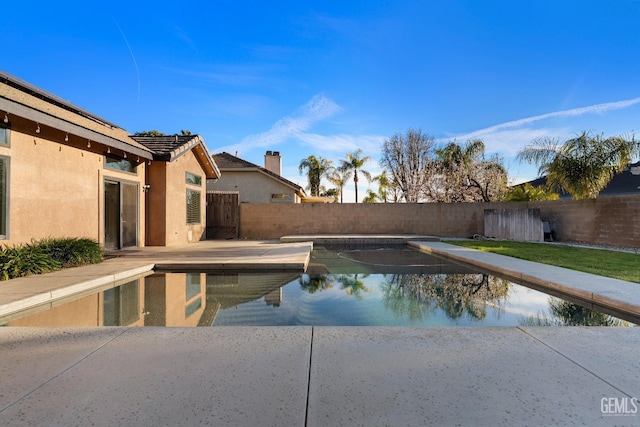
x=384, y=187
x=581, y=166
x=371, y=197
x=339, y=178
x=316, y=167
x=354, y=163
x=528, y=193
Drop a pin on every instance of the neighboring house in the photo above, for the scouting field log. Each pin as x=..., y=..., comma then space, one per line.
x=65, y=172
x=253, y=183
x=625, y=182
x=176, y=192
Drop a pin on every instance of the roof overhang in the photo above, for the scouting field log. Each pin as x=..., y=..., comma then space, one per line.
x=29, y=113
x=195, y=144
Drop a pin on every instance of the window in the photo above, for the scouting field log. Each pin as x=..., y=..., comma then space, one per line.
x=4, y=196
x=193, y=206
x=4, y=135
x=121, y=305
x=118, y=164
x=193, y=285
x=192, y=308
x=193, y=179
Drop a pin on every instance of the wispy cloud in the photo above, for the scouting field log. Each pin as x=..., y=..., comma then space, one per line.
x=317, y=109
x=509, y=137
x=598, y=108
x=231, y=75
x=135, y=63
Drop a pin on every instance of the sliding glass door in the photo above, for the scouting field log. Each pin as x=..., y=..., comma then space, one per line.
x=120, y=214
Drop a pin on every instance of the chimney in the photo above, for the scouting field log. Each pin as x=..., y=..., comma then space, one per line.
x=273, y=162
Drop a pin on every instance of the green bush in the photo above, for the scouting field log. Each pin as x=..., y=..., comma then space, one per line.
x=47, y=255
x=22, y=260
x=72, y=252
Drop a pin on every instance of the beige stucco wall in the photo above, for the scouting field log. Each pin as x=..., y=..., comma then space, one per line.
x=57, y=189
x=253, y=187
x=612, y=220
x=168, y=202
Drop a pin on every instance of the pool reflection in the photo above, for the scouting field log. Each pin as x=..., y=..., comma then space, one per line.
x=392, y=287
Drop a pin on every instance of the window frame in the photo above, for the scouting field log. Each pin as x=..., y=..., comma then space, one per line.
x=120, y=160
x=197, y=179
x=7, y=134
x=189, y=212
x=4, y=204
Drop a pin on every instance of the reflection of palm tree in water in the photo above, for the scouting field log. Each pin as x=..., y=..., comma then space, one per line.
x=353, y=285
x=313, y=284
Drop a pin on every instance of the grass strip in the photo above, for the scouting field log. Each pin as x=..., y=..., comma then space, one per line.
x=608, y=263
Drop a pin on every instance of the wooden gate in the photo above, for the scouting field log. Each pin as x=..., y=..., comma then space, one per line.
x=223, y=215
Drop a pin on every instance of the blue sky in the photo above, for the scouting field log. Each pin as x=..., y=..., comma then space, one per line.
x=326, y=78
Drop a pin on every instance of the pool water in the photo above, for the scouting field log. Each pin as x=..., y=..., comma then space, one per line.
x=342, y=287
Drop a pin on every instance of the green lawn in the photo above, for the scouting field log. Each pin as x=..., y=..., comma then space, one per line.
x=619, y=265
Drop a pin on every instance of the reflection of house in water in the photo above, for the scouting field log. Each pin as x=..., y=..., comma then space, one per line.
x=160, y=299
x=165, y=299
x=274, y=297
x=227, y=290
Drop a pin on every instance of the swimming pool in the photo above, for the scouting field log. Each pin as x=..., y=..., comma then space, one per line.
x=393, y=286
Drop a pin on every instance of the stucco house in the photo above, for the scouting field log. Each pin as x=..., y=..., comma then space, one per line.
x=176, y=188
x=253, y=183
x=65, y=172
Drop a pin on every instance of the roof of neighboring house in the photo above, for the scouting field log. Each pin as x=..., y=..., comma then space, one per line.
x=22, y=100
x=626, y=182
x=226, y=161
x=169, y=147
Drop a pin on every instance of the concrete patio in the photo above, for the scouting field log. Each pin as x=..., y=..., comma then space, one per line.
x=319, y=376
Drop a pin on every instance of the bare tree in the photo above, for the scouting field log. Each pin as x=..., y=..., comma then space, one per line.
x=409, y=158
x=466, y=175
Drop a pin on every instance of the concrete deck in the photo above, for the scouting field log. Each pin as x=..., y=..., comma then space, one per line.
x=314, y=376
x=319, y=376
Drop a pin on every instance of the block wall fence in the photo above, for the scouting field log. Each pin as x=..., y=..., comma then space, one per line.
x=611, y=220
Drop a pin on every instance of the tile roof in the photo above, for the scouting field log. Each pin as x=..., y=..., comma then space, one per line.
x=169, y=147
x=165, y=146
x=225, y=160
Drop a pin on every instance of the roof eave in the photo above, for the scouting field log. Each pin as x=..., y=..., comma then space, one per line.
x=45, y=119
